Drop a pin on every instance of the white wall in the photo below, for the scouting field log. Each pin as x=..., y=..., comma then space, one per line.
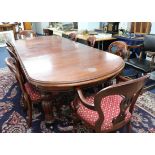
x=153, y=28
x=39, y=26
x=88, y=25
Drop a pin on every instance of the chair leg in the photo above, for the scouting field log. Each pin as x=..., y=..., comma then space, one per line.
x=24, y=103
x=29, y=114
x=128, y=126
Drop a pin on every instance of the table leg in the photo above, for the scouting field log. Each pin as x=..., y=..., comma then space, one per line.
x=48, y=111
x=102, y=45
x=98, y=43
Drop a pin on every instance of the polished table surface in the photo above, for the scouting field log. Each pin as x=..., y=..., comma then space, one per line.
x=53, y=62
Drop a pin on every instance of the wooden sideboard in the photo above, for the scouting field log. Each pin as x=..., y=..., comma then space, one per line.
x=7, y=27
x=141, y=27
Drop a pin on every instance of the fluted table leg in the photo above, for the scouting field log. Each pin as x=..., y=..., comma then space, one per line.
x=48, y=111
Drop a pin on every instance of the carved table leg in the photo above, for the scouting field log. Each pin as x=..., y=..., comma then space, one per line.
x=48, y=111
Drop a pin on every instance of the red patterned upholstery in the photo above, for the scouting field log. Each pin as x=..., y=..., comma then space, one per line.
x=110, y=106
x=33, y=93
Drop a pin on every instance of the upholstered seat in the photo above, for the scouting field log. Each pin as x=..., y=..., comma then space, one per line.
x=34, y=94
x=111, y=108
x=30, y=94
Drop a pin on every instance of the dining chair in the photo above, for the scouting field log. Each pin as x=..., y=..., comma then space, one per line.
x=120, y=48
x=46, y=32
x=91, y=41
x=72, y=36
x=31, y=95
x=111, y=108
x=23, y=34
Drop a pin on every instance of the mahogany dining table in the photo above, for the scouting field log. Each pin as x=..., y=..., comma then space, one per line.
x=56, y=63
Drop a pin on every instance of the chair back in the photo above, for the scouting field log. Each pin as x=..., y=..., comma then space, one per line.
x=72, y=36
x=14, y=68
x=91, y=41
x=46, y=32
x=14, y=56
x=149, y=43
x=119, y=48
x=26, y=34
x=128, y=91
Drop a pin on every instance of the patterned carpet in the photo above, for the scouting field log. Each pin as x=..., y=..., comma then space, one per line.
x=13, y=118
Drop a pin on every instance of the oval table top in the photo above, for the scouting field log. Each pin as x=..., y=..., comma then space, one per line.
x=54, y=62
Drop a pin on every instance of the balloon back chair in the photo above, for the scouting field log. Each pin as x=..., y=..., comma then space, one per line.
x=111, y=108
x=23, y=34
x=46, y=32
x=72, y=36
x=30, y=94
x=91, y=41
x=120, y=48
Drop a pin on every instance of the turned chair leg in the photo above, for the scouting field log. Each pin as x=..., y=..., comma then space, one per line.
x=29, y=114
x=128, y=126
x=24, y=103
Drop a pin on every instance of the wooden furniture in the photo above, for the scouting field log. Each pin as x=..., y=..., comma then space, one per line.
x=112, y=27
x=23, y=34
x=131, y=42
x=7, y=27
x=111, y=108
x=99, y=39
x=30, y=94
x=47, y=32
x=147, y=48
x=141, y=62
x=91, y=41
x=56, y=63
x=120, y=48
x=73, y=36
x=141, y=27
x=27, y=25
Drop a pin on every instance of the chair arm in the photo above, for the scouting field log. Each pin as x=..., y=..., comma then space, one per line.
x=120, y=78
x=84, y=101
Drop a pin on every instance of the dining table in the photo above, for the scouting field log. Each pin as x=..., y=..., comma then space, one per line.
x=54, y=63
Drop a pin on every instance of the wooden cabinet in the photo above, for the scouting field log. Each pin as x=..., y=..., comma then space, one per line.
x=112, y=27
x=140, y=27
